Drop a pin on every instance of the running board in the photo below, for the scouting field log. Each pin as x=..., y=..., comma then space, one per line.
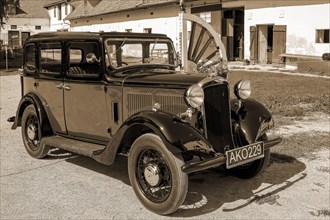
x=75, y=146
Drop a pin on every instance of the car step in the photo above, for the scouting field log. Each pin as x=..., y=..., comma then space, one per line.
x=79, y=147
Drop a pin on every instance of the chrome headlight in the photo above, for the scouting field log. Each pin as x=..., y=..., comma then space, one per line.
x=242, y=89
x=195, y=96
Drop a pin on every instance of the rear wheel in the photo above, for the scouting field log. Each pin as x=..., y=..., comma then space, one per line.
x=252, y=169
x=156, y=176
x=31, y=133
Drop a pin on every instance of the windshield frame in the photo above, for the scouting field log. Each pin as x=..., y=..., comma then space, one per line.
x=111, y=69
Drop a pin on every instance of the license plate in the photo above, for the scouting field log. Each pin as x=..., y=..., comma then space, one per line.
x=242, y=155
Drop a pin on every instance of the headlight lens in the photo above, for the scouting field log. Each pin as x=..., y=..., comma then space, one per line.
x=242, y=89
x=195, y=96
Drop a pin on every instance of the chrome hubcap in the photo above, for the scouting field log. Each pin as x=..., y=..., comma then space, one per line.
x=151, y=174
x=32, y=132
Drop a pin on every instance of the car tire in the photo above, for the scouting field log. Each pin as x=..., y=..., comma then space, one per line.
x=31, y=133
x=156, y=176
x=254, y=168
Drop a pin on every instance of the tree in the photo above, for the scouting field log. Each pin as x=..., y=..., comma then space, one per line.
x=4, y=9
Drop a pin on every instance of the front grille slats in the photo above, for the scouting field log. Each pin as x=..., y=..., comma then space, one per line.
x=217, y=117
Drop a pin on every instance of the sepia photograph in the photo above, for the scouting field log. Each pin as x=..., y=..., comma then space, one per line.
x=165, y=109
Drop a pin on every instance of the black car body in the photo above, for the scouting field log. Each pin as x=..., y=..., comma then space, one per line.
x=100, y=94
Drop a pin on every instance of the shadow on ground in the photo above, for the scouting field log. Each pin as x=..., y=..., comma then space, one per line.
x=214, y=188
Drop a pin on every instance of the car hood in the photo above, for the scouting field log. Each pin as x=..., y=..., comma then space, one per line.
x=163, y=78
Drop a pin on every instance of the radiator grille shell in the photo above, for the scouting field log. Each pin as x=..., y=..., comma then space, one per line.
x=217, y=117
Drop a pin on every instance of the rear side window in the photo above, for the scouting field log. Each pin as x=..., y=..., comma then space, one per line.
x=29, y=59
x=50, y=58
x=81, y=66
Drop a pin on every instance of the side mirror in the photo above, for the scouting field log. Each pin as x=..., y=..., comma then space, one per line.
x=91, y=58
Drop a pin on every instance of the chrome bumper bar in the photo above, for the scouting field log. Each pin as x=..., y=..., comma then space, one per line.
x=220, y=159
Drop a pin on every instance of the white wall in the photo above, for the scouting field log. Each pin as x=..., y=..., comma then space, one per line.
x=24, y=25
x=168, y=26
x=163, y=20
x=55, y=23
x=301, y=21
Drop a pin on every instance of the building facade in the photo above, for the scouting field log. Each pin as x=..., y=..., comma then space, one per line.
x=58, y=10
x=261, y=31
x=24, y=20
x=274, y=28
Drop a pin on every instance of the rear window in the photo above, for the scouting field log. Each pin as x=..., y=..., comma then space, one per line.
x=50, y=58
x=29, y=59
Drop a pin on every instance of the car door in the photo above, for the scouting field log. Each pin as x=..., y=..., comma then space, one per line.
x=84, y=92
x=49, y=83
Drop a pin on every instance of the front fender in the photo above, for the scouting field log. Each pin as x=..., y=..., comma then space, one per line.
x=178, y=136
x=252, y=119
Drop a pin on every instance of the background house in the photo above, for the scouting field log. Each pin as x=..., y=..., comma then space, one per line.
x=296, y=28
x=27, y=19
x=272, y=32
x=58, y=10
x=262, y=31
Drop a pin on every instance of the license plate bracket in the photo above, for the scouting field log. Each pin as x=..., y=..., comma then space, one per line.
x=245, y=154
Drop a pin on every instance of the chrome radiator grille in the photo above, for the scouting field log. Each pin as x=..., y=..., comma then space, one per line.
x=217, y=119
x=169, y=101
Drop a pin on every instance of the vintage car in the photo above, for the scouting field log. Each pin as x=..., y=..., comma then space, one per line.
x=104, y=94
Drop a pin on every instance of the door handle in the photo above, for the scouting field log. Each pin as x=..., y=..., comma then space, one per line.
x=67, y=87
x=59, y=86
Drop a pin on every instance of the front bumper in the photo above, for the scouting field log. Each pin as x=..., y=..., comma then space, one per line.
x=220, y=159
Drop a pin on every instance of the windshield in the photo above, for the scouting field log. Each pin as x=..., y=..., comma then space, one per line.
x=123, y=52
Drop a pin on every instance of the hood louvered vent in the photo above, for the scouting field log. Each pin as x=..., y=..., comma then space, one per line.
x=170, y=102
x=139, y=102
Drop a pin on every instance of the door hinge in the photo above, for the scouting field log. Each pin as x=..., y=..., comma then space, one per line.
x=105, y=88
x=109, y=131
x=36, y=84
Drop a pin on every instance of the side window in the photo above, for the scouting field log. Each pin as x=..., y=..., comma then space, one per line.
x=50, y=58
x=29, y=59
x=84, y=58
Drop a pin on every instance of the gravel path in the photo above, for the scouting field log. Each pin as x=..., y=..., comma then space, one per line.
x=66, y=186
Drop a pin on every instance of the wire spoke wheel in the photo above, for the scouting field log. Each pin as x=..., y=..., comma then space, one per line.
x=156, y=175
x=32, y=133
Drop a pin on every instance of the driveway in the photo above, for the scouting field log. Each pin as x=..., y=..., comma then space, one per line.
x=69, y=186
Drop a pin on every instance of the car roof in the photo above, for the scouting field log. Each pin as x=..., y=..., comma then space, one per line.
x=58, y=36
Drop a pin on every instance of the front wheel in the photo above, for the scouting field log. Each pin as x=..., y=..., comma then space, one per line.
x=31, y=133
x=252, y=169
x=156, y=176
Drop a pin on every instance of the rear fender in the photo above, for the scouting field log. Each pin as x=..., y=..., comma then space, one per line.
x=177, y=135
x=252, y=120
x=33, y=99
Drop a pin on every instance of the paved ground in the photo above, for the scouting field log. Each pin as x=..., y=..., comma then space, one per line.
x=66, y=186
